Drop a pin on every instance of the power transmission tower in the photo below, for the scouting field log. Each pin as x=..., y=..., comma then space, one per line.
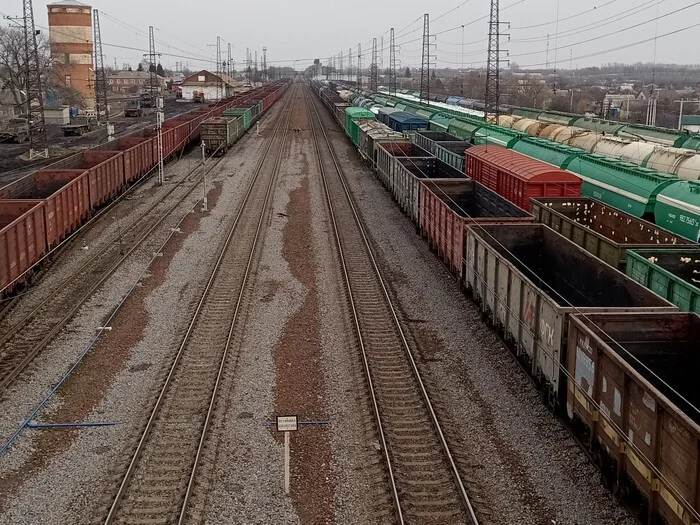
x=492, y=99
x=392, y=63
x=425, y=63
x=341, y=65
x=255, y=68
x=264, y=64
x=373, y=68
x=38, y=145
x=229, y=68
x=381, y=54
x=247, y=65
x=349, y=63
x=359, y=66
x=102, y=107
x=153, y=75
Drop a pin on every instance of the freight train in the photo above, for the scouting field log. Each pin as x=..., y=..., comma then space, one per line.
x=613, y=358
x=650, y=135
x=671, y=200
x=40, y=210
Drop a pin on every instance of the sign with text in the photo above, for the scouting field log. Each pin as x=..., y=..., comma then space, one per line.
x=287, y=423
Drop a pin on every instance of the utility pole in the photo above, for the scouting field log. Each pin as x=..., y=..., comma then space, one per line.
x=392, y=63
x=102, y=107
x=492, y=98
x=229, y=68
x=359, y=66
x=425, y=63
x=680, y=113
x=160, y=117
x=38, y=145
x=247, y=65
x=651, y=107
x=219, y=84
x=255, y=68
x=264, y=64
x=341, y=65
x=153, y=76
x=373, y=68
x=349, y=63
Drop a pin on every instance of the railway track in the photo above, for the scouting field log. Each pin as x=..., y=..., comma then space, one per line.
x=159, y=480
x=22, y=341
x=425, y=484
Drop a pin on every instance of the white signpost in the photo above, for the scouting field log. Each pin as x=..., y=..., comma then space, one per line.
x=287, y=424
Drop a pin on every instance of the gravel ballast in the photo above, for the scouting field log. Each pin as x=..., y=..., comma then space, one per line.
x=68, y=488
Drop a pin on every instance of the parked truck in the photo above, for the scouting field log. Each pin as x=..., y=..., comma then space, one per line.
x=146, y=100
x=133, y=108
x=79, y=125
x=15, y=130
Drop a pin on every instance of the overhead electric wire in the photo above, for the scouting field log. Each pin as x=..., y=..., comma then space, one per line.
x=619, y=48
x=615, y=33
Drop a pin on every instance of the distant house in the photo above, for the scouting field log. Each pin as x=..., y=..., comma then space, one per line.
x=131, y=81
x=8, y=107
x=213, y=85
x=177, y=78
x=691, y=123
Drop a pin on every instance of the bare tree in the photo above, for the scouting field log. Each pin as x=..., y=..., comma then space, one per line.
x=13, y=76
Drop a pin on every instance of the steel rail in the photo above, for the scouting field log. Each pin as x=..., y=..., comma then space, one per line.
x=112, y=514
x=22, y=324
x=417, y=375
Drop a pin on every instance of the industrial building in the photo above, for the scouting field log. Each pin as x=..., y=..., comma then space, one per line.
x=70, y=37
x=214, y=86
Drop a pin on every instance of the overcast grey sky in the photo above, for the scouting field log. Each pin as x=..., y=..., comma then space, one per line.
x=304, y=29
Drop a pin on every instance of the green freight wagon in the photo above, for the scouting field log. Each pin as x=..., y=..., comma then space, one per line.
x=527, y=113
x=607, y=127
x=464, y=129
x=220, y=133
x=674, y=274
x=623, y=185
x=440, y=122
x=558, y=117
x=352, y=114
x=678, y=209
x=498, y=136
x=690, y=142
x=245, y=112
x=559, y=155
x=602, y=230
x=669, y=137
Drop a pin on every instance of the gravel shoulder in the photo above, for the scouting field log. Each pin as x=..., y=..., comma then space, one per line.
x=520, y=459
x=297, y=357
x=72, y=467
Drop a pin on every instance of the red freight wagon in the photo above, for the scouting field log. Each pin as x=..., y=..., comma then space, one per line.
x=179, y=132
x=66, y=196
x=105, y=173
x=518, y=177
x=22, y=239
x=138, y=156
x=448, y=207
